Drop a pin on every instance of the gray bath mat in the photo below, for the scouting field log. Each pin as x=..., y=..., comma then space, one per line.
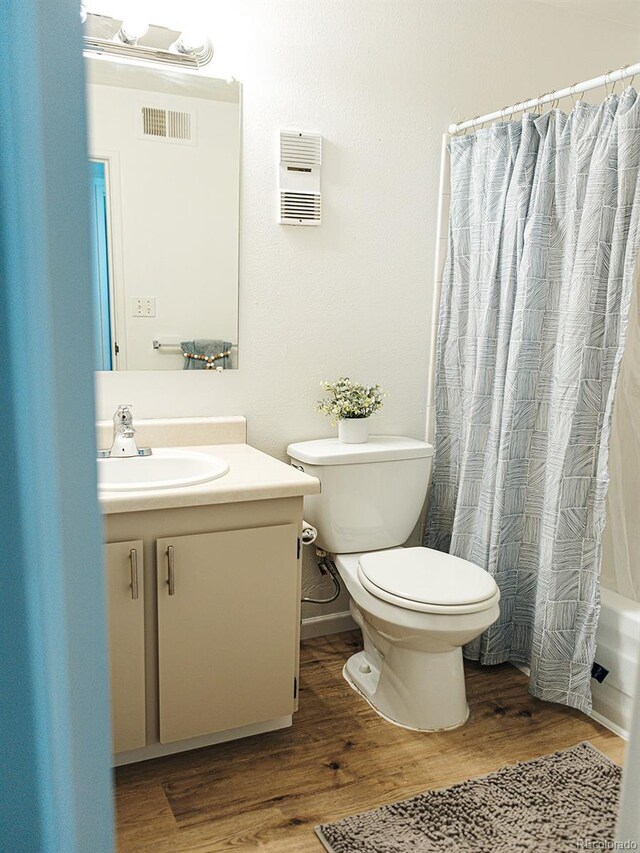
x=554, y=804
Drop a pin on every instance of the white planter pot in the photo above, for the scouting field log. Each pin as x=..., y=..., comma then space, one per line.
x=353, y=430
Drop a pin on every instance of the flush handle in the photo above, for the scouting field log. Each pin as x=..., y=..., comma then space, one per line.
x=133, y=559
x=171, y=580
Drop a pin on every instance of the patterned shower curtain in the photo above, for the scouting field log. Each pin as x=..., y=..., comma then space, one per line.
x=543, y=239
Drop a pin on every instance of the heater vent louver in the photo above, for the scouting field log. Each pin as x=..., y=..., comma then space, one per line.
x=172, y=125
x=300, y=162
x=300, y=149
x=300, y=208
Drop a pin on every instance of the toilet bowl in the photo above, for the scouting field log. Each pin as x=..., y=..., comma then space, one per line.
x=416, y=607
x=411, y=669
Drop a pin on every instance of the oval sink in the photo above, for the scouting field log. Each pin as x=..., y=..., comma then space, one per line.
x=164, y=469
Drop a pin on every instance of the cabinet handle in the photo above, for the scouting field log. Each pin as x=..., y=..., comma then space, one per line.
x=171, y=580
x=133, y=557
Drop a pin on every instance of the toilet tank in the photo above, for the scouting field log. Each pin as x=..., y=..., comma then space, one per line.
x=372, y=494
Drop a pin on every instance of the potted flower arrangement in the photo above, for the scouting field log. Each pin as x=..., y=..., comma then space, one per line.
x=351, y=404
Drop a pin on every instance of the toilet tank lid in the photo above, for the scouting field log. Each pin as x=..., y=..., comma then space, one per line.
x=379, y=448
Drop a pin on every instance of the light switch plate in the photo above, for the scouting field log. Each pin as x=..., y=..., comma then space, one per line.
x=143, y=306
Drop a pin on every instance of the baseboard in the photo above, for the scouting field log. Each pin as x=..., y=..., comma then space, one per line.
x=330, y=623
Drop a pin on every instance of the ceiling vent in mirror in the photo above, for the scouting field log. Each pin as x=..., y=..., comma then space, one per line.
x=170, y=125
x=300, y=162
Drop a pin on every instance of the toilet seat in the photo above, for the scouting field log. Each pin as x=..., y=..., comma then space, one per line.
x=429, y=581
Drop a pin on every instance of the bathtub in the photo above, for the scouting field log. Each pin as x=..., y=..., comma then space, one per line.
x=618, y=649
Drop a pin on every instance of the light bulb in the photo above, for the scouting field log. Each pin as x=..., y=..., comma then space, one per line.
x=132, y=29
x=191, y=41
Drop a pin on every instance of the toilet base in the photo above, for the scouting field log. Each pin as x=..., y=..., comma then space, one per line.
x=430, y=697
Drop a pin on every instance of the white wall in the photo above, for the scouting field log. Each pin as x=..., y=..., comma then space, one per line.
x=381, y=81
x=173, y=213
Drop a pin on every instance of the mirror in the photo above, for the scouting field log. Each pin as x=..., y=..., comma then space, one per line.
x=164, y=147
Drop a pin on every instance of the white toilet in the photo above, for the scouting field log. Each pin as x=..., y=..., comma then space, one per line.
x=416, y=607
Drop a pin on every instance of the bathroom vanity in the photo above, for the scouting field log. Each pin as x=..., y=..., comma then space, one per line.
x=203, y=589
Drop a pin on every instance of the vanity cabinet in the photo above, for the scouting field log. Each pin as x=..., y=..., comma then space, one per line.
x=124, y=563
x=227, y=629
x=214, y=655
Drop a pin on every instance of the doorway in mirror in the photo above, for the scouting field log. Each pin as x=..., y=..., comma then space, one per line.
x=104, y=332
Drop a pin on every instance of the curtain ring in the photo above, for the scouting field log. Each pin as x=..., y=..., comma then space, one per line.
x=572, y=93
x=474, y=124
x=606, y=84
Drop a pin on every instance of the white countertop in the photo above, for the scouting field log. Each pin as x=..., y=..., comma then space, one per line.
x=252, y=476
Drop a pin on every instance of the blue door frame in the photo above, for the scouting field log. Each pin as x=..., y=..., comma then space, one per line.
x=54, y=708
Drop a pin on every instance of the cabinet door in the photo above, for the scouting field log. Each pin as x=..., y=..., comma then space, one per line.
x=227, y=629
x=125, y=588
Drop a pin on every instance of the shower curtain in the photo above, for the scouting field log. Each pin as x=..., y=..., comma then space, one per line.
x=621, y=535
x=543, y=238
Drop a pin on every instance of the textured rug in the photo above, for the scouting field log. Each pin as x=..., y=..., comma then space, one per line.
x=558, y=803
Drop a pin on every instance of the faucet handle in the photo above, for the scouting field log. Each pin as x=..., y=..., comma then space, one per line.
x=123, y=415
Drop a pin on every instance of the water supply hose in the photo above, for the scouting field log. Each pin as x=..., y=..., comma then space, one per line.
x=326, y=566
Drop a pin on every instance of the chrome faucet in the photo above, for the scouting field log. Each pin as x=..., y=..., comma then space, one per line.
x=124, y=443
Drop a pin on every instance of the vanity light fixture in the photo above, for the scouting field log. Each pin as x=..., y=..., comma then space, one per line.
x=190, y=42
x=134, y=38
x=132, y=29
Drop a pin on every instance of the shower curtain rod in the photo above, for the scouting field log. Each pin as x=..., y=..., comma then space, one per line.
x=575, y=89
